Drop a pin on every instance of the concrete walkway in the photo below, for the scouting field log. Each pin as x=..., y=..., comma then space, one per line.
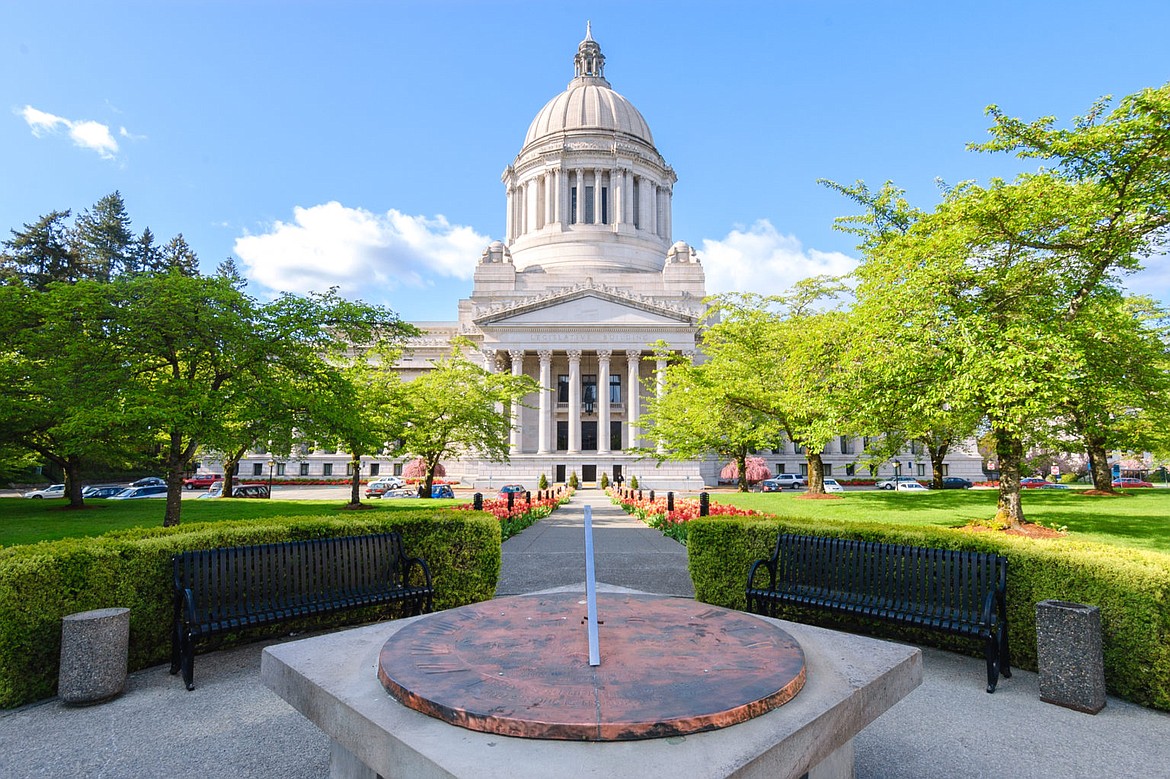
x=233, y=726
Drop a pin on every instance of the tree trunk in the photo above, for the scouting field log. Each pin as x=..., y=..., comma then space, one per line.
x=741, y=464
x=72, y=468
x=355, y=487
x=937, y=455
x=1010, y=451
x=176, y=461
x=1099, y=462
x=229, y=471
x=428, y=480
x=816, y=472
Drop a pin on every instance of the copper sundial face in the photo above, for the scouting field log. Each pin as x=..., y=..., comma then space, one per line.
x=519, y=666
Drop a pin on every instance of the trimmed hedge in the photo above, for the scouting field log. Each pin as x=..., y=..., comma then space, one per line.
x=1130, y=587
x=41, y=583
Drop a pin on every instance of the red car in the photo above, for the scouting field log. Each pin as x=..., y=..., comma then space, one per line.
x=201, y=481
x=1127, y=482
x=1032, y=482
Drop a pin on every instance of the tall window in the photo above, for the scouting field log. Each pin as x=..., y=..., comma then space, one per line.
x=828, y=470
x=257, y=469
x=589, y=390
x=304, y=469
x=850, y=469
x=562, y=436
x=280, y=469
x=374, y=468
x=573, y=206
x=327, y=469
x=615, y=437
x=615, y=388
x=589, y=205
x=636, y=204
x=846, y=447
x=563, y=388
x=605, y=205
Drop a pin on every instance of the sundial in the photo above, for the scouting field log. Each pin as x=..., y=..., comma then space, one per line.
x=606, y=667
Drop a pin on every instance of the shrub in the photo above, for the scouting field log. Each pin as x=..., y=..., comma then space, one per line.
x=41, y=583
x=542, y=483
x=573, y=482
x=633, y=482
x=1131, y=588
x=604, y=482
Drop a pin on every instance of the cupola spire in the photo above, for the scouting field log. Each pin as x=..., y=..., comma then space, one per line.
x=589, y=62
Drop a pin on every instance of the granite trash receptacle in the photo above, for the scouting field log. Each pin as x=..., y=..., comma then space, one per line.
x=94, y=651
x=1070, y=658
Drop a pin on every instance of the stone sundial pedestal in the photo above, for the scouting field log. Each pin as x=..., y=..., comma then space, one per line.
x=334, y=681
x=519, y=667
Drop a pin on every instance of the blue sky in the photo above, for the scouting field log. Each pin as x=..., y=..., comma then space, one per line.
x=360, y=144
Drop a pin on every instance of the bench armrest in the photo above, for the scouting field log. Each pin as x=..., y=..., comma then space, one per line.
x=770, y=565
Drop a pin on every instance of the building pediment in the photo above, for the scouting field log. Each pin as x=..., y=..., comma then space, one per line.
x=587, y=304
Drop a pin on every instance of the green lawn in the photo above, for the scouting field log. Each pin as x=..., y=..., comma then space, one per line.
x=28, y=521
x=1141, y=519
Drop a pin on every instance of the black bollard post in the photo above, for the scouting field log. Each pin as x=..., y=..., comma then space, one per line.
x=511, y=499
x=528, y=497
x=639, y=494
x=670, y=501
x=651, y=496
x=477, y=501
x=704, y=504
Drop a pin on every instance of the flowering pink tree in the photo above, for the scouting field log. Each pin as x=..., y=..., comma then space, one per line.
x=417, y=469
x=755, y=469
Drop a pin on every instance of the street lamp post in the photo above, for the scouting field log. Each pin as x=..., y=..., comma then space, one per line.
x=271, y=465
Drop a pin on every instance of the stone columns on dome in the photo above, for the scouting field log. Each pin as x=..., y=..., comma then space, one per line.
x=574, y=401
x=563, y=215
x=597, y=196
x=579, y=211
x=509, y=218
x=633, y=366
x=603, y=356
x=514, y=439
x=544, y=424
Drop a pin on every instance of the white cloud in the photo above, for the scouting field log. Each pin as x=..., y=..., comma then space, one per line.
x=760, y=259
x=362, y=253
x=87, y=134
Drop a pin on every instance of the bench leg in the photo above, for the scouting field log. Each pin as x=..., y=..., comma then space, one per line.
x=1005, y=661
x=991, y=651
x=188, y=663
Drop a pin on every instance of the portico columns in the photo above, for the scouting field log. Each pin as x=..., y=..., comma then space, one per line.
x=579, y=211
x=517, y=356
x=603, y=356
x=544, y=424
x=574, y=401
x=633, y=365
x=597, y=196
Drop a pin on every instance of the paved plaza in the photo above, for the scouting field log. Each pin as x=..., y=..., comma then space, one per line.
x=231, y=725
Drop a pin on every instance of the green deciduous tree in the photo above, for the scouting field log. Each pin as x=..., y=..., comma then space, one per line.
x=451, y=410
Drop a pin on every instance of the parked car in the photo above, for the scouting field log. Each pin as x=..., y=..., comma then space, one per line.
x=442, y=491
x=1033, y=482
x=515, y=488
x=910, y=486
x=1128, y=481
x=52, y=491
x=148, y=491
x=102, y=491
x=380, y=487
x=251, y=491
x=201, y=480
x=149, y=481
x=956, y=483
x=831, y=485
x=892, y=482
x=784, y=480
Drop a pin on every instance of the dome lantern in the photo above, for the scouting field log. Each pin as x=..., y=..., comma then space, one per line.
x=589, y=62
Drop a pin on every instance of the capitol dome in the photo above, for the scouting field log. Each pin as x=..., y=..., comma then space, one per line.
x=588, y=190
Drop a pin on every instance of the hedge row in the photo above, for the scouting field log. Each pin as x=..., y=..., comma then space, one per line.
x=41, y=583
x=1129, y=586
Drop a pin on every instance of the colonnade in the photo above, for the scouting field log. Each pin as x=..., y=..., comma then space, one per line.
x=549, y=411
x=620, y=198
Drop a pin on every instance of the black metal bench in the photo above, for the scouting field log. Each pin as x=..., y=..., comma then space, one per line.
x=960, y=593
x=226, y=590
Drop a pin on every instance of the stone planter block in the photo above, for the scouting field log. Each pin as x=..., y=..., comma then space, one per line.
x=94, y=650
x=1070, y=656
